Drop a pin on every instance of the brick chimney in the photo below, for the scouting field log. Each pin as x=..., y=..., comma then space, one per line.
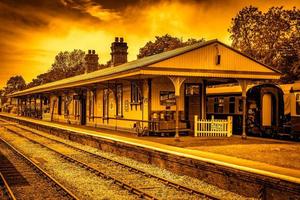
x=118, y=52
x=91, y=61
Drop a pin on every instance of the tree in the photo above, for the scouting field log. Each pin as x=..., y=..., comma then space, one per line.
x=66, y=64
x=164, y=43
x=64, y=61
x=272, y=37
x=14, y=84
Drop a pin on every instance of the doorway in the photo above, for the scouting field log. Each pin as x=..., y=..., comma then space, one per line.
x=192, y=102
x=267, y=110
x=270, y=110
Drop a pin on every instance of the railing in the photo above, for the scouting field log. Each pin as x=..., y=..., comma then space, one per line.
x=213, y=127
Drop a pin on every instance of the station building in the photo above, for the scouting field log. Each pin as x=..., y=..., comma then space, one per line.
x=160, y=93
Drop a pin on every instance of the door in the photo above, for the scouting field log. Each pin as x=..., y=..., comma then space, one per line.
x=192, y=103
x=267, y=110
x=83, y=110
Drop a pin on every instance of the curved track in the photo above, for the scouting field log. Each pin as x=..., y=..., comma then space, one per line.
x=6, y=192
x=61, y=190
x=112, y=163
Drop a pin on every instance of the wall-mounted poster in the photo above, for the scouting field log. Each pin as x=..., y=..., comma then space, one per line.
x=126, y=106
x=167, y=98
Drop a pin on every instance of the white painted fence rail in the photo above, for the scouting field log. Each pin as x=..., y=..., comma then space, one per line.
x=213, y=127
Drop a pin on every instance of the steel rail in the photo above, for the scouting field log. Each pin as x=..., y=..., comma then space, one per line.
x=91, y=169
x=146, y=174
x=59, y=187
x=8, y=191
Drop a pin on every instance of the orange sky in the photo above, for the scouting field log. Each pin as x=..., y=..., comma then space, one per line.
x=32, y=33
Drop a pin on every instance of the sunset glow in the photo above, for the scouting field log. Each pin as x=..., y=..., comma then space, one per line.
x=32, y=33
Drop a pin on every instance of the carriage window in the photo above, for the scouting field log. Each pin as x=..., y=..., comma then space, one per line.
x=298, y=104
x=219, y=105
x=105, y=103
x=119, y=100
x=231, y=104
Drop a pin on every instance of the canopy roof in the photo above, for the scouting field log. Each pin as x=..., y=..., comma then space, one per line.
x=198, y=60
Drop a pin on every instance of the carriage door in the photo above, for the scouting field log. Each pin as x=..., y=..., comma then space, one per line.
x=192, y=102
x=83, y=109
x=267, y=110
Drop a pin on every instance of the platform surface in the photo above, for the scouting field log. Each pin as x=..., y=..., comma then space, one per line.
x=288, y=174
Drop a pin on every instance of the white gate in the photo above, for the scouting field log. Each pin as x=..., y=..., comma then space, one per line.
x=213, y=127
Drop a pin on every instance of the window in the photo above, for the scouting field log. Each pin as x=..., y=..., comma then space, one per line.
x=298, y=104
x=46, y=106
x=59, y=105
x=119, y=100
x=218, y=59
x=76, y=108
x=105, y=102
x=231, y=104
x=192, y=90
x=219, y=105
x=240, y=105
x=135, y=94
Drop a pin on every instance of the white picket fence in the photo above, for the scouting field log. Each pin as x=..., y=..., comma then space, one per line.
x=213, y=127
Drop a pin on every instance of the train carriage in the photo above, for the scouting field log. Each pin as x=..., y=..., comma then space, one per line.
x=272, y=109
x=292, y=110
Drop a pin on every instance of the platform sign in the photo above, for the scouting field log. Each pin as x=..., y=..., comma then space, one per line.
x=167, y=98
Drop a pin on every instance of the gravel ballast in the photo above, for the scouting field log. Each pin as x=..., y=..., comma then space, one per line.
x=183, y=180
x=81, y=182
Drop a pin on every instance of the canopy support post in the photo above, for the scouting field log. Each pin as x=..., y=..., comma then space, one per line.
x=244, y=84
x=177, y=82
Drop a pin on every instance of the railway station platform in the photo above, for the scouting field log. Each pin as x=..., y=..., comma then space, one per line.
x=246, y=177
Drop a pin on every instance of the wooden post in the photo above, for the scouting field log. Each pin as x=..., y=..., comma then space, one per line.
x=41, y=106
x=21, y=103
x=229, y=126
x=25, y=106
x=150, y=126
x=177, y=117
x=18, y=106
x=196, y=125
x=35, y=111
x=29, y=106
x=244, y=135
x=203, y=100
x=177, y=82
x=244, y=83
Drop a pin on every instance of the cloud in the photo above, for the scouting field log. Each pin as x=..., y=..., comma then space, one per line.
x=32, y=32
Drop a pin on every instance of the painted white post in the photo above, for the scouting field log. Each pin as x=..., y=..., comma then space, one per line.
x=229, y=126
x=196, y=125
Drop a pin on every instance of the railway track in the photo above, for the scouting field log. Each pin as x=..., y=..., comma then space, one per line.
x=5, y=191
x=20, y=173
x=106, y=168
